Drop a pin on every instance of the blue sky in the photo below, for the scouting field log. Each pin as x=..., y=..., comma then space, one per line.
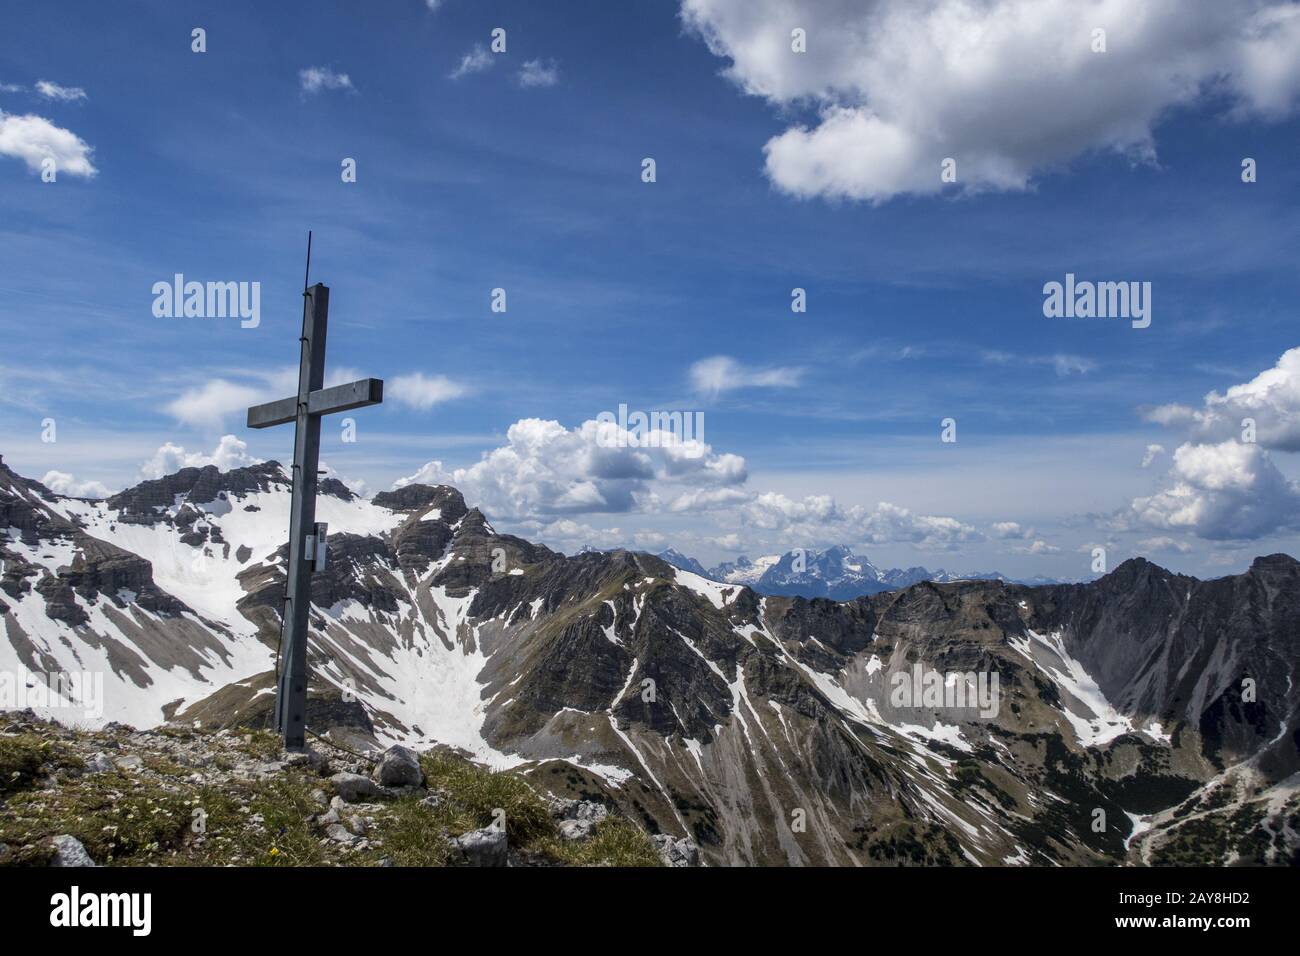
x=924, y=301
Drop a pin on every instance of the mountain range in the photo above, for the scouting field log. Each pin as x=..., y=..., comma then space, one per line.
x=1144, y=717
x=836, y=573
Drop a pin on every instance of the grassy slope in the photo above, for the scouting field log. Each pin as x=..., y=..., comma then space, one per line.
x=158, y=815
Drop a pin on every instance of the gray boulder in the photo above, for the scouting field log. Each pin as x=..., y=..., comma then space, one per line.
x=68, y=851
x=485, y=847
x=353, y=787
x=399, y=767
x=339, y=833
x=580, y=819
x=329, y=817
x=676, y=852
x=100, y=763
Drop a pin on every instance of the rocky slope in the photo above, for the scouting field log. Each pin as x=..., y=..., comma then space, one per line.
x=977, y=722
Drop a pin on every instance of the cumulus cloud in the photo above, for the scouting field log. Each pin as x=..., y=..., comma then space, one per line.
x=1271, y=399
x=721, y=373
x=475, y=61
x=1223, y=486
x=422, y=392
x=230, y=452
x=313, y=79
x=1164, y=543
x=538, y=73
x=33, y=139
x=1007, y=88
x=1010, y=530
x=546, y=469
x=1224, y=491
x=209, y=405
x=64, y=94
x=62, y=483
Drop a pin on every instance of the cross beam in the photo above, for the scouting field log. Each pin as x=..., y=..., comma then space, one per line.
x=305, y=410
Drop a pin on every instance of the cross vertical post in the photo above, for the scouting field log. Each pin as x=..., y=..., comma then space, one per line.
x=306, y=538
x=291, y=694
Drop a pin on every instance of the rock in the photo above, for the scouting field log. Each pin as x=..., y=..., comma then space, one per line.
x=434, y=800
x=575, y=829
x=68, y=851
x=399, y=767
x=308, y=759
x=353, y=787
x=578, y=817
x=100, y=763
x=129, y=762
x=676, y=852
x=485, y=847
x=4, y=853
x=356, y=825
x=318, y=796
x=329, y=817
x=386, y=861
x=339, y=833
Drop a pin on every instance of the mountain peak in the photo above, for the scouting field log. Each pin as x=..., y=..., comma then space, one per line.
x=448, y=500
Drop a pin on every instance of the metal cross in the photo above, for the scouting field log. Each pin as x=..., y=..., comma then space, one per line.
x=306, y=538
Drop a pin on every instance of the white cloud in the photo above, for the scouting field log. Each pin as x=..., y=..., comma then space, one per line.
x=708, y=499
x=547, y=469
x=422, y=392
x=313, y=79
x=890, y=524
x=1010, y=530
x=566, y=534
x=11, y=88
x=1222, y=487
x=33, y=138
x=1164, y=543
x=721, y=373
x=539, y=73
x=1039, y=546
x=1008, y=88
x=818, y=520
x=475, y=61
x=209, y=405
x=62, y=483
x=1224, y=491
x=64, y=94
x=433, y=5
x=1271, y=398
x=230, y=452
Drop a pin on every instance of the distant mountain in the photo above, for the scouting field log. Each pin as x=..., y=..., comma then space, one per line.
x=679, y=560
x=837, y=573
